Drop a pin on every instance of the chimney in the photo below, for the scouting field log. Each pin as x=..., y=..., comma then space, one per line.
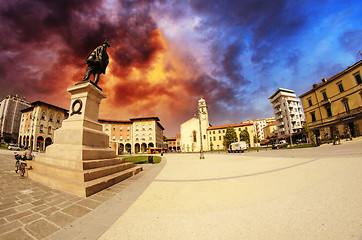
x=314, y=85
x=324, y=80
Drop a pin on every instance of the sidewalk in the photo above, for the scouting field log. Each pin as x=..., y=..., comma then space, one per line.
x=30, y=210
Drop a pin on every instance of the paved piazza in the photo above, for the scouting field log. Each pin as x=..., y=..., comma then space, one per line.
x=313, y=193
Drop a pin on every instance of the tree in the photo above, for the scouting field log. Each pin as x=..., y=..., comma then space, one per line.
x=256, y=139
x=244, y=136
x=305, y=131
x=211, y=145
x=230, y=137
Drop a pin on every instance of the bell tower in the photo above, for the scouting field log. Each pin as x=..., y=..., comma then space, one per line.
x=204, y=121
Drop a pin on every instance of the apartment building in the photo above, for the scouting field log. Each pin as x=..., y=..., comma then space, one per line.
x=260, y=124
x=216, y=134
x=120, y=134
x=174, y=143
x=288, y=113
x=10, y=115
x=136, y=134
x=335, y=104
x=38, y=124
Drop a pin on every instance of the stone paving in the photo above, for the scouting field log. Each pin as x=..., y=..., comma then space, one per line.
x=30, y=210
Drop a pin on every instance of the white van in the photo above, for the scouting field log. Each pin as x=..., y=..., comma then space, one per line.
x=237, y=147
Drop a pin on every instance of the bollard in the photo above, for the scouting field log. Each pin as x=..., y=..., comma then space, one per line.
x=150, y=159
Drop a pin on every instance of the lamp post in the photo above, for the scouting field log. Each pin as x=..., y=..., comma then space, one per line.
x=199, y=111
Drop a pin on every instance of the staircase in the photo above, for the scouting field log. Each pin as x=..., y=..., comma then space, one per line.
x=82, y=178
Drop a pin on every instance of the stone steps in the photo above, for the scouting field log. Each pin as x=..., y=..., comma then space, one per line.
x=93, y=176
x=84, y=189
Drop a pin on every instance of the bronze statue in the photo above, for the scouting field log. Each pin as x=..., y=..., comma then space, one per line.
x=97, y=62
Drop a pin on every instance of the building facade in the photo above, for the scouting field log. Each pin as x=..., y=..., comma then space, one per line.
x=270, y=130
x=38, y=124
x=194, y=131
x=335, y=104
x=120, y=134
x=174, y=144
x=288, y=113
x=10, y=115
x=216, y=134
x=135, y=135
x=259, y=125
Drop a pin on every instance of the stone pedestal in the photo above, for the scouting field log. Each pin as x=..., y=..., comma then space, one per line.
x=80, y=161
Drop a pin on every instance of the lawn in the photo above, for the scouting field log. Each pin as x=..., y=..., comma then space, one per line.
x=142, y=159
x=306, y=145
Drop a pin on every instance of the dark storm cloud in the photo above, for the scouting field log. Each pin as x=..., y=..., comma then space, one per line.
x=40, y=38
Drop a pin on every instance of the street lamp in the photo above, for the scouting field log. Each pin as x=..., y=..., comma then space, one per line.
x=200, y=111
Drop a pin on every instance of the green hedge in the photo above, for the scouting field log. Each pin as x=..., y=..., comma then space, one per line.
x=142, y=159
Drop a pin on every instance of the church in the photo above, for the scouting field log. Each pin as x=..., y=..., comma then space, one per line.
x=194, y=131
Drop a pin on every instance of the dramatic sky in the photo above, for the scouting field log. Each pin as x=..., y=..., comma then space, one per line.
x=165, y=55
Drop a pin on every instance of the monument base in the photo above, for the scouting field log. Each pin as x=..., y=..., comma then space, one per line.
x=80, y=161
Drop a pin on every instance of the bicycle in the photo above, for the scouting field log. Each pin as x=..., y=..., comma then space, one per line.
x=20, y=164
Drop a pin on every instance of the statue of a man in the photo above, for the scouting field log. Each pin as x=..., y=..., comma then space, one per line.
x=97, y=62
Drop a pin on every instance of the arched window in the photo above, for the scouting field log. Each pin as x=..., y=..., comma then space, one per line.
x=58, y=119
x=127, y=137
x=150, y=136
x=194, y=135
x=43, y=116
x=49, y=130
x=143, y=137
x=128, y=129
x=120, y=128
x=150, y=127
x=136, y=136
x=41, y=128
x=143, y=127
x=51, y=118
x=114, y=137
x=120, y=137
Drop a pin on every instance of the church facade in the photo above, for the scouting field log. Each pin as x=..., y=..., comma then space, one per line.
x=194, y=131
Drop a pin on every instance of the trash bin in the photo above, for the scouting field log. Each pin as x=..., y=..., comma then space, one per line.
x=161, y=154
x=150, y=159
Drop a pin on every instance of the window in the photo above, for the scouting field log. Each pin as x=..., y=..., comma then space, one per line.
x=143, y=137
x=310, y=102
x=143, y=127
x=114, y=128
x=136, y=136
x=51, y=118
x=329, y=111
x=150, y=136
x=214, y=138
x=150, y=127
x=49, y=130
x=357, y=76
x=219, y=131
x=213, y=132
x=121, y=137
x=223, y=131
x=324, y=95
x=58, y=119
x=210, y=139
x=114, y=137
x=127, y=137
x=128, y=129
x=194, y=135
x=43, y=116
x=41, y=128
x=340, y=86
x=346, y=106
x=121, y=128
x=219, y=137
x=204, y=137
x=312, y=114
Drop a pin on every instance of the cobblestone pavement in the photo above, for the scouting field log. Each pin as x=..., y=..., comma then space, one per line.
x=30, y=210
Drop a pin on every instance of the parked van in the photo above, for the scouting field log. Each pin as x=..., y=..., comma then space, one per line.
x=237, y=147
